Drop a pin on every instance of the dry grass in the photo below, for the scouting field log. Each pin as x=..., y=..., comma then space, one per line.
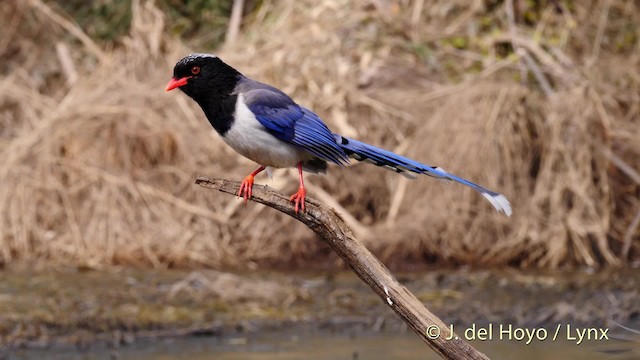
x=98, y=166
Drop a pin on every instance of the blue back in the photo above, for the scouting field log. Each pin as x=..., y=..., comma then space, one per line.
x=289, y=122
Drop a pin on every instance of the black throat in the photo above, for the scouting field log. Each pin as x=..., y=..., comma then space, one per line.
x=220, y=112
x=216, y=96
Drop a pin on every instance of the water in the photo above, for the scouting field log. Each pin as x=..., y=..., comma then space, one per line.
x=288, y=346
x=142, y=301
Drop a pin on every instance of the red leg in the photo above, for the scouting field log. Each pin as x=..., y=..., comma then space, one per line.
x=246, y=188
x=298, y=197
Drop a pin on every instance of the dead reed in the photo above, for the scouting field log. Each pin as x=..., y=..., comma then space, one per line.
x=539, y=102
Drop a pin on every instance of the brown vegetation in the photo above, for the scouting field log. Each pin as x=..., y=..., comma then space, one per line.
x=538, y=100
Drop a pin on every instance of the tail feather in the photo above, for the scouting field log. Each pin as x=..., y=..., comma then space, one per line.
x=364, y=152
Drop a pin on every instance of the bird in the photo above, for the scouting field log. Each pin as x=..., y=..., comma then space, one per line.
x=263, y=124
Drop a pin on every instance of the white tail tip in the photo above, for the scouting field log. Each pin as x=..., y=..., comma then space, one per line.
x=499, y=202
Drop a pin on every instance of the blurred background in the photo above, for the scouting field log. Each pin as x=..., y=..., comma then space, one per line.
x=104, y=238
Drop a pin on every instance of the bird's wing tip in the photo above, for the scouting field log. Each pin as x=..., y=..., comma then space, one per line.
x=499, y=202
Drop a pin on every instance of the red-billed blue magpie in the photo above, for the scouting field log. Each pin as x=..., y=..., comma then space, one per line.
x=265, y=125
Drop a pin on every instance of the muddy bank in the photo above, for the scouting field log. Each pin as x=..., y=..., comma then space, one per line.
x=83, y=308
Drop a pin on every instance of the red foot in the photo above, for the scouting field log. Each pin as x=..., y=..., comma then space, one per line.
x=298, y=199
x=246, y=188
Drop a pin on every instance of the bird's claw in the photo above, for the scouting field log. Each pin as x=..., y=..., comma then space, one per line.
x=298, y=199
x=246, y=188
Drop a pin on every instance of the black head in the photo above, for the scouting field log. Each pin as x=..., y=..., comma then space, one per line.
x=203, y=76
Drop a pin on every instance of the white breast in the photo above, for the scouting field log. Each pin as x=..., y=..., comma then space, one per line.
x=252, y=140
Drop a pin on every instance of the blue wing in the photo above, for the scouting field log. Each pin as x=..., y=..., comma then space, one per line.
x=291, y=123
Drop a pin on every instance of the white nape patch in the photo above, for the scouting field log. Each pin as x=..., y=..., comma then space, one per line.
x=252, y=140
x=201, y=55
x=499, y=202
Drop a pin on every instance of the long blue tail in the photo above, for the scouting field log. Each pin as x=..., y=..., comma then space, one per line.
x=404, y=166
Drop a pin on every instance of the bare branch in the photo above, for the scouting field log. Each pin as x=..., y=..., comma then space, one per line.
x=327, y=223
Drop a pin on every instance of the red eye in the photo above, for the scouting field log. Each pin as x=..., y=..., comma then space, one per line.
x=195, y=70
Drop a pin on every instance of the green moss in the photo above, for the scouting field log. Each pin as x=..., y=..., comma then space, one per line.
x=438, y=295
x=107, y=21
x=204, y=20
x=628, y=41
x=102, y=20
x=218, y=307
x=459, y=42
x=420, y=50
